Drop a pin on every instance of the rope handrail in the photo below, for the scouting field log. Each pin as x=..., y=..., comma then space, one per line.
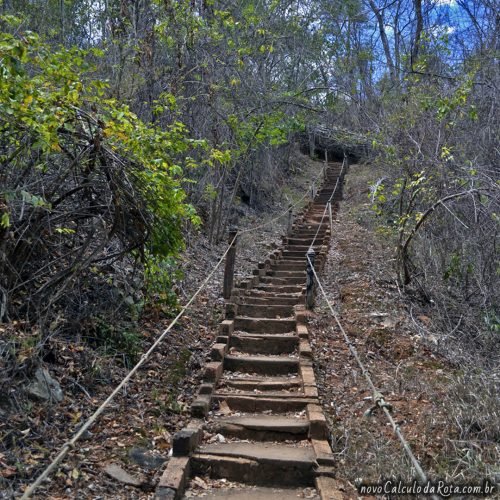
x=69, y=445
x=377, y=396
x=259, y=226
x=344, y=162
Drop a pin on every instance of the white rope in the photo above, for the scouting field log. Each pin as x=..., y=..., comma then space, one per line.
x=70, y=444
x=377, y=397
x=259, y=226
x=344, y=161
x=91, y=420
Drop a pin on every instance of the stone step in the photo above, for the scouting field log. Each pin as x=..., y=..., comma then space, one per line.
x=264, y=325
x=320, y=237
x=251, y=404
x=264, y=428
x=265, y=310
x=325, y=198
x=253, y=492
x=279, y=288
x=267, y=383
x=305, y=233
x=319, y=206
x=276, y=280
x=302, y=248
x=283, y=273
x=322, y=218
x=260, y=377
x=305, y=241
x=264, y=344
x=290, y=265
x=264, y=365
x=252, y=463
x=294, y=392
x=264, y=298
x=313, y=226
x=295, y=254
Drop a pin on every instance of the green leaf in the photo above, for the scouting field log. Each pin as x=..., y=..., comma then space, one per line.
x=5, y=220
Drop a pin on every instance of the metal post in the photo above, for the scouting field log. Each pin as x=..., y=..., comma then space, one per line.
x=311, y=254
x=230, y=260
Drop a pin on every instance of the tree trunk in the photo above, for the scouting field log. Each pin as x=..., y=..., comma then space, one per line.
x=385, y=41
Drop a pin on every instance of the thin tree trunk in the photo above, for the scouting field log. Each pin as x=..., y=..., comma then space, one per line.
x=418, y=31
x=385, y=41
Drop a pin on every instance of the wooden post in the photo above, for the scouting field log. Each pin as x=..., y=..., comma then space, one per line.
x=312, y=143
x=311, y=254
x=326, y=164
x=230, y=260
x=290, y=219
x=330, y=215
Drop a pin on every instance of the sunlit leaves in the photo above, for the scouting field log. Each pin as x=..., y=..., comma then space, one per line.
x=46, y=94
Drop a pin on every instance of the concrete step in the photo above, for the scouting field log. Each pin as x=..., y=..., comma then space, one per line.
x=266, y=310
x=251, y=463
x=276, y=280
x=264, y=428
x=264, y=344
x=264, y=325
x=265, y=298
x=251, y=404
x=253, y=492
x=262, y=384
x=263, y=365
x=279, y=288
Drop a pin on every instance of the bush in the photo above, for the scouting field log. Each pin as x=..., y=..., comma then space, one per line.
x=87, y=189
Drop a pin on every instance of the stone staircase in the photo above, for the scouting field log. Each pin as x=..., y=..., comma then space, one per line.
x=259, y=398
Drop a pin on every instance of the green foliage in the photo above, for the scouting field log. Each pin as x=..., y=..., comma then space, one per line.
x=161, y=274
x=47, y=95
x=456, y=268
x=492, y=320
x=122, y=341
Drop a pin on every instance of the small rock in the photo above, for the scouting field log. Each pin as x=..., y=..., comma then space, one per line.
x=44, y=387
x=200, y=483
x=144, y=458
x=116, y=472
